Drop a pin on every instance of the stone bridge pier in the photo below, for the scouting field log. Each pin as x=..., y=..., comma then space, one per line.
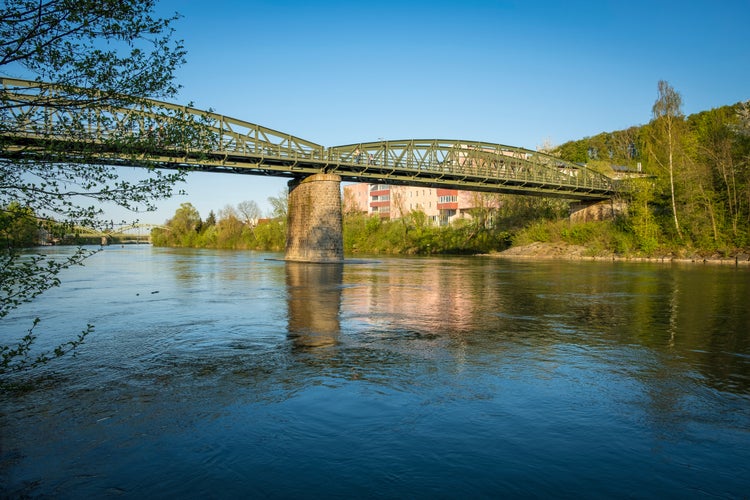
x=314, y=219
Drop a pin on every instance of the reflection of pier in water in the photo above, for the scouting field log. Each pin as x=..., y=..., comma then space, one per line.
x=314, y=301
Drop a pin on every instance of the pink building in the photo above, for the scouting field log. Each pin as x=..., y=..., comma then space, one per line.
x=442, y=206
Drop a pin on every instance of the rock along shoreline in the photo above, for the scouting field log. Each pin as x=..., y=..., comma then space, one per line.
x=564, y=251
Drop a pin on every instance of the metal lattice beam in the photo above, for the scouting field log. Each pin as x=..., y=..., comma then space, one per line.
x=230, y=145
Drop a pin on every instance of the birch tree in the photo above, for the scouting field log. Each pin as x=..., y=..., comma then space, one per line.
x=666, y=125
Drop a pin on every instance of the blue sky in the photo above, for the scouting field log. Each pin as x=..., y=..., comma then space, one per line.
x=520, y=73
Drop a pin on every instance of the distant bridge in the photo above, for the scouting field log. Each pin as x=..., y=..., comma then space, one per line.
x=121, y=233
x=51, y=123
x=120, y=229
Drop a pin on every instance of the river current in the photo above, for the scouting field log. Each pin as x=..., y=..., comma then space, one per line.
x=222, y=374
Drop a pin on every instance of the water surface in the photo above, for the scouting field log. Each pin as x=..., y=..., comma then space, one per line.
x=225, y=374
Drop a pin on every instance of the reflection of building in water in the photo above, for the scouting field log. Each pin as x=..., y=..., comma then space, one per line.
x=314, y=300
x=429, y=298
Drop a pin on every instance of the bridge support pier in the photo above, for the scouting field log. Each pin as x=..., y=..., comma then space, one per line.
x=584, y=211
x=314, y=219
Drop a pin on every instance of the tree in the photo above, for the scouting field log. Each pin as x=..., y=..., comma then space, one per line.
x=86, y=58
x=18, y=226
x=210, y=220
x=249, y=212
x=743, y=132
x=483, y=206
x=668, y=118
x=228, y=212
x=349, y=204
x=712, y=160
x=279, y=204
x=641, y=219
x=229, y=228
x=186, y=220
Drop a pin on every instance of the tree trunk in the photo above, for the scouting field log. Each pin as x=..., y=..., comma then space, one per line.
x=671, y=179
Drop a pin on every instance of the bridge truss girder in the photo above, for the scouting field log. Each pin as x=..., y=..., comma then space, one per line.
x=144, y=132
x=471, y=166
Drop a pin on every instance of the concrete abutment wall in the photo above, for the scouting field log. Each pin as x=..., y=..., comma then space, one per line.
x=314, y=219
x=598, y=210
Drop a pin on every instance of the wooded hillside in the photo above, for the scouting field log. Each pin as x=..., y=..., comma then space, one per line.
x=699, y=193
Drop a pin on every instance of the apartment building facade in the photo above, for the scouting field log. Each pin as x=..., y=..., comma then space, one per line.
x=441, y=206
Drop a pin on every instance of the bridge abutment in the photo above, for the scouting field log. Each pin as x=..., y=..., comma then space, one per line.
x=314, y=219
x=584, y=211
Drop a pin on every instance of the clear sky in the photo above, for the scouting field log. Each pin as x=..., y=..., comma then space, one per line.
x=516, y=72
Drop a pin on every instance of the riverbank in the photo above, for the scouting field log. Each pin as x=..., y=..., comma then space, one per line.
x=565, y=251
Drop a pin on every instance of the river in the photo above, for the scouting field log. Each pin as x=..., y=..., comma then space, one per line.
x=222, y=374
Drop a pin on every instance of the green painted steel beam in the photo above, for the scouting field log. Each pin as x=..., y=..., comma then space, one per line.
x=230, y=145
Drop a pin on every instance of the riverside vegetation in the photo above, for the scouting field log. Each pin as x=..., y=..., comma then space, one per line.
x=692, y=201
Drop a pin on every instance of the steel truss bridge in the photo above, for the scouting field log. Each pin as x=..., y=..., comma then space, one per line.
x=140, y=132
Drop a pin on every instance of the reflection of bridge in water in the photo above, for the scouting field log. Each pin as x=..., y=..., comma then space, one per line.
x=151, y=133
